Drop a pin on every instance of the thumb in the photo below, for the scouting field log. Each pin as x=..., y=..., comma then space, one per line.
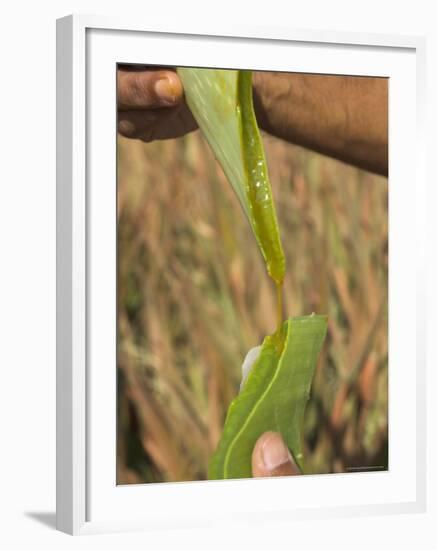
x=148, y=89
x=271, y=457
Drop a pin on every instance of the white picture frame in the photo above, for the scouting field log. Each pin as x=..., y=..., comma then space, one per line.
x=86, y=500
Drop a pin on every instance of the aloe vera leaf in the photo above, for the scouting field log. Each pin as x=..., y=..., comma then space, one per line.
x=221, y=103
x=273, y=398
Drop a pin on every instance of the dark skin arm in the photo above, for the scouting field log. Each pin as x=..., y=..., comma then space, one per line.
x=343, y=117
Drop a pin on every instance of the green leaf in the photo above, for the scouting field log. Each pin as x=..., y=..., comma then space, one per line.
x=221, y=102
x=273, y=398
x=275, y=393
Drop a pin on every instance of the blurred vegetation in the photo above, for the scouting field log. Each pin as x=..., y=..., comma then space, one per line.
x=193, y=297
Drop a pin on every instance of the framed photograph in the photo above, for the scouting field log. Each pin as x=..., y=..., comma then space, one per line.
x=240, y=275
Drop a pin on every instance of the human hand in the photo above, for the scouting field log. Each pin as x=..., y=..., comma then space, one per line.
x=271, y=457
x=151, y=104
x=342, y=117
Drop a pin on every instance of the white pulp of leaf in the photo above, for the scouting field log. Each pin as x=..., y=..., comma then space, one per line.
x=250, y=359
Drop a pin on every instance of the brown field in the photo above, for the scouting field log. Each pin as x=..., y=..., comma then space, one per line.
x=194, y=296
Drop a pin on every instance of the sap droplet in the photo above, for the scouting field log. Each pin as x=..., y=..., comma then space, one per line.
x=261, y=196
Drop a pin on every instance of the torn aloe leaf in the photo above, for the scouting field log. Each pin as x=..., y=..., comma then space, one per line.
x=273, y=398
x=221, y=102
x=276, y=391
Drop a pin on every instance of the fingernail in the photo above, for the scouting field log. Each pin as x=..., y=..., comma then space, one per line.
x=165, y=91
x=274, y=452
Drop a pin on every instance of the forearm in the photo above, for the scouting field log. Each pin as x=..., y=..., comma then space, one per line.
x=341, y=116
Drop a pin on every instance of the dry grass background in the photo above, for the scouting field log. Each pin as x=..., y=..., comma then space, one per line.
x=193, y=297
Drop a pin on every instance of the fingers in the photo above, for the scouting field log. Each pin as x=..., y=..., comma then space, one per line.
x=151, y=104
x=148, y=89
x=271, y=457
x=137, y=124
x=156, y=123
